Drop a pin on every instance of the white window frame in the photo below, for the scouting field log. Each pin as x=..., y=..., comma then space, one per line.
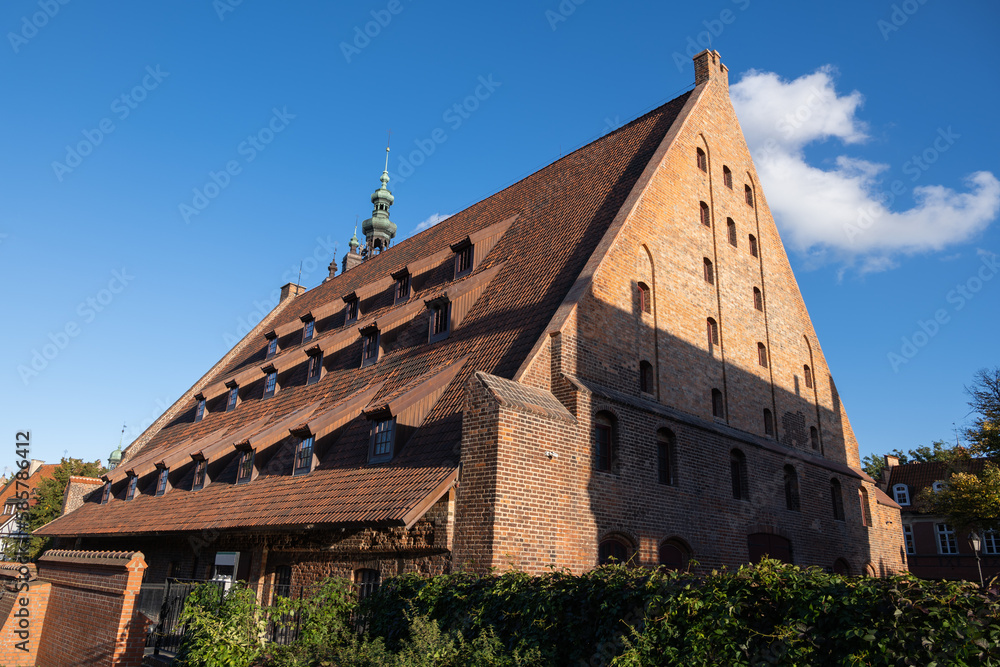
x=937, y=487
x=908, y=540
x=991, y=542
x=946, y=540
x=901, y=494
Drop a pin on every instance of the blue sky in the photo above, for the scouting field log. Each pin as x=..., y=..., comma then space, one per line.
x=116, y=118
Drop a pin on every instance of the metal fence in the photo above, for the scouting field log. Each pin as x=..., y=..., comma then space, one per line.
x=163, y=603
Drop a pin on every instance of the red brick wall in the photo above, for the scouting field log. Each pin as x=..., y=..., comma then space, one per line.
x=90, y=617
x=22, y=616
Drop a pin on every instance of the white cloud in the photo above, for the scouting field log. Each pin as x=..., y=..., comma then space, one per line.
x=430, y=222
x=843, y=213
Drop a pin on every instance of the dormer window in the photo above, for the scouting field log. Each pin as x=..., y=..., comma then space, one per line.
x=937, y=487
x=463, y=260
x=401, y=291
x=382, y=440
x=133, y=482
x=369, y=346
x=303, y=456
x=309, y=328
x=351, y=310
x=234, y=394
x=440, y=322
x=161, y=481
x=105, y=497
x=245, y=470
x=272, y=347
x=199, y=410
x=200, y=468
x=270, y=383
x=901, y=493
x=315, y=368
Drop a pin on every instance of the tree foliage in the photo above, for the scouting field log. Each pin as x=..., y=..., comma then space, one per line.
x=969, y=501
x=49, y=498
x=984, y=401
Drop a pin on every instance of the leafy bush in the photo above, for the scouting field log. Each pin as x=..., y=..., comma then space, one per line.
x=767, y=613
x=222, y=631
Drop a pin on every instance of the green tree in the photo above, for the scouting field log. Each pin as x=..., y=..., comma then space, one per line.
x=984, y=401
x=49, y=498
x=968, y=500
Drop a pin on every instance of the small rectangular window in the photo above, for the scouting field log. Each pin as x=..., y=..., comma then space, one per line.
x=991, y=542
x=602, y=440
x=133, y=482
x=748, y=193
x=947, y=544
x=402, y=290
x=270, y=384
x=234, y=393
x=702, y=160
x=383, y=435
x=709, y=272
x=369, y=347
x=199, y=410
x=199, y=474
x=308, y=330
x=105, y=497
x=731, y=229
x=351, y=311
x=463, y=261
x=161, y=481
x=245, y=470
x=911, y=548
x=440, y=321
x=272, y=348
x=727, y=177
x=762, y=355
x=315, y=368
x=753, y=245
x=758, y=303
x=303, y=456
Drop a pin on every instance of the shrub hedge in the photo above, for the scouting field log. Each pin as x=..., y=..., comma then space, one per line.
x=764, y=614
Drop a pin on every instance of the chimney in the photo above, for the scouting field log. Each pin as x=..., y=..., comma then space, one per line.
x=891, y=461
x=352, y=259
x=34, y=466
x=708, y=65
x=290, y=291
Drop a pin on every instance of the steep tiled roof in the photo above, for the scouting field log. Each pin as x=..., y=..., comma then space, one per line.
x=12, y=488
x=556, y=218
x=919, y=476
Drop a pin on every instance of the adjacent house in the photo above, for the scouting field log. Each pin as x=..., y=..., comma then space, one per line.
x=14, y=494
x=607, y=360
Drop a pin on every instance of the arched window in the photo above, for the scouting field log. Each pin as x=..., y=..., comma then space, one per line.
x=718, y=405
x=753, y=245
x=836, y=499
x=866, y=512
x=768, y=422
x=367, y=581
x=702, y=160
x=748, y=193
x=713, y=332
x=666, y=457
x=727, y=177
x=937, y=487
x=841, y=566
x=901, y=492
x=646, y=383
x=706, y=218
x=791, y=488
x=738, y=475
x=762, y=545
x=731, y=229
x=808, y=375
x=674, y=555
x=604, y=436
x=762, y=355
x=709, y=272
x=613, y=550
x=645, y=302
x=758, y=299
x=814, y=437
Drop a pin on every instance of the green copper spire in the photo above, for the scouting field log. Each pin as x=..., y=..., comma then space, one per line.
x=378, y=229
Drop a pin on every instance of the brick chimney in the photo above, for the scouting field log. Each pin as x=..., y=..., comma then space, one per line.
x=891, y=461
x=290, y=290
x=708, y=66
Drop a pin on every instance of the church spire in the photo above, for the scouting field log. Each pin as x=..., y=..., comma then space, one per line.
x=378, y=229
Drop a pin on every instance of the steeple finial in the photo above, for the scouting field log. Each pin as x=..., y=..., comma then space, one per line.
x=378, y=229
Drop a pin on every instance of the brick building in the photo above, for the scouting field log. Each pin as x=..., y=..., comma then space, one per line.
x=936, y=549
x=19, y=495
x=609, y=358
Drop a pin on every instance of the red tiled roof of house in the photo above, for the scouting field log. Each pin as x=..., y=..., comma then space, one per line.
x=12, y=488
x=559, y=215
x=919, y=476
